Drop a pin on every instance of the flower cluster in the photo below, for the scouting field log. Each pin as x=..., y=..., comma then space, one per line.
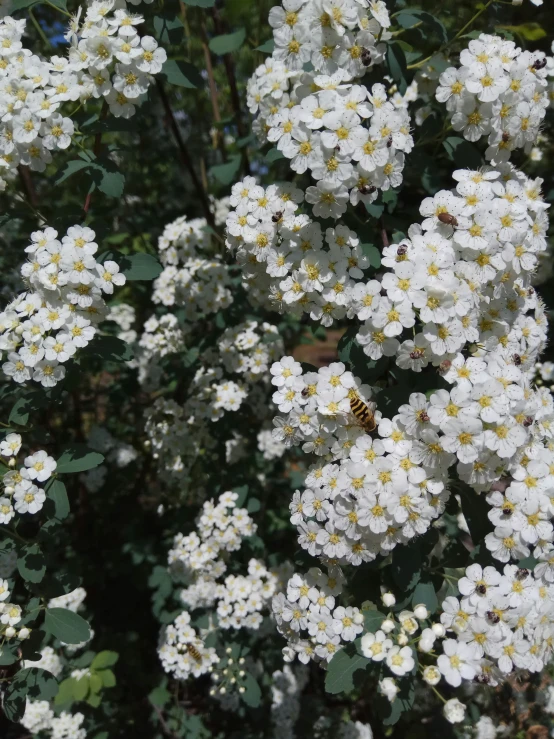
x=464, y=276
x=45, y=326
x=39, y=718
x=199, y=559
x=315, y=627
x=107, y=60
x=383, y=491
x=23, y=491
x=288, y=263
x=199, y=285
x=232, y=375
x=124, y=316
x=498, y=91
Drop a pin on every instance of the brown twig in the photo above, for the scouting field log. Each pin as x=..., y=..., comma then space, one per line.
x=28, y=185
x=165, y=728
x=219, y=138
x=384, y=234
x=233, y=89
x=184, y=153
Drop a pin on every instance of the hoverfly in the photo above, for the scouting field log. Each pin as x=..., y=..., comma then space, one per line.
x=194, y=652
x=367, y=189
x=363, y=414
x=276, y=217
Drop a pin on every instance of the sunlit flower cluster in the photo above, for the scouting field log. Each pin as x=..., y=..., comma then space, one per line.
x=289, y=263
x=107, y=60
x=45, y=326
x=498, y=91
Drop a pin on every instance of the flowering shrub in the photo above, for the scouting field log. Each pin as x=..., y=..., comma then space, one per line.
x=276, y=381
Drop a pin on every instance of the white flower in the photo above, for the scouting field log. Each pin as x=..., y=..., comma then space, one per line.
x=454, y=711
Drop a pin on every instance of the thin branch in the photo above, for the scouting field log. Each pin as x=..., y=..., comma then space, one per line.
x=233, y=89
x=28, y=186
x=183, y=151
x=165, y=728
x=384, y=234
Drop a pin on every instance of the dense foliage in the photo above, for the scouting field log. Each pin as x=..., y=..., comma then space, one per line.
x=276, y=390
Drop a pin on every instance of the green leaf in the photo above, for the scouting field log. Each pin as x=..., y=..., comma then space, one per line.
x=78, y=458
x=341, y=669
x=253, y=506
x=75, y=165
x=104, y=659
x=373, y=620
x=201, y=3
x=112, y=183
x=14, y=702
x=66, y=626
x=169, y=30
x=373, y=253
x=39, y=684
x=242, y=492
x=409, y=18
x=57, y=493
x=252, y=695
x=81, y=688
x=141, y=267
x=159, y=696
x=111, y=348
x=273, y=155
x=268, y=47
x=528, y=31
x=182, y=74
x=65, y=692
x=108, y=678
x=396, y=63
x=226, y=173
x=8, y=654
x=228, y=42
x=425, y=593
x=462, y=152
x=19, y=414
x=95, y=682
x=31, y=563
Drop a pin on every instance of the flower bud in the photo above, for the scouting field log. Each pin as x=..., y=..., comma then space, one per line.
x=421, y=612
x=388, y=600
x=10, y=632
x=402, y=639
x=454, y=711
x=438, y=630
x=358, y=618
x=24, y=633
x=387, y=626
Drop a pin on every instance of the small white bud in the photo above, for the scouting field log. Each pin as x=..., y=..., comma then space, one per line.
x=241, y=661
x=10, y=632
x=24, y=633
x=230, y=661
x=402, y=639
x=233, y=680
x=242, y=673
x=438, y=630
x=242, y=689
x=358, y=618
x=223, y=690
x=388, y=600
x=387, y=626
x=421, y=612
